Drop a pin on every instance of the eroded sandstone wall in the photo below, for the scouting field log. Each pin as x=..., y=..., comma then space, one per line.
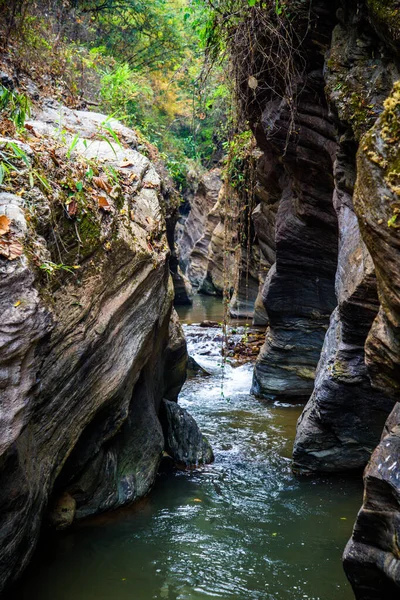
x=89, y=343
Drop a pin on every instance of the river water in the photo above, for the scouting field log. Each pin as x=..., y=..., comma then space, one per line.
x=243, y=528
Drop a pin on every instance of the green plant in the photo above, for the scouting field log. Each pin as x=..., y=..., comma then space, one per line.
x=15, y=106
x=50, y=268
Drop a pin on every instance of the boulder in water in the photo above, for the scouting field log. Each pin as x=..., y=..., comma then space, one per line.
x=184, y=441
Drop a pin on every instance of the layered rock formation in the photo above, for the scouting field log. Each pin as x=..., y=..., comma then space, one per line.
x=195, y=229
x=372, y=557
x=357, y=378
x=89, y=345
x=209, y=253
x=299, y=291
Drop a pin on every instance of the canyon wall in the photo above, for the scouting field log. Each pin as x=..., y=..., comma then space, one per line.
x=327, y=218
x=90, y=344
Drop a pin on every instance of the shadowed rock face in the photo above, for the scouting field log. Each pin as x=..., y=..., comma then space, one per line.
x=85, y=359
x=344, y=417
x=372, y=557
x=299, y=290
x=184, y=441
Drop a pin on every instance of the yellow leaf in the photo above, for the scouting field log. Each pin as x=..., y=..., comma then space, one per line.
x=197, y=500
x=17, y=303
x=4, y=224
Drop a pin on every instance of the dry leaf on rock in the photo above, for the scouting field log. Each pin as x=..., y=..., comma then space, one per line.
x=102, y=183
x=72, y=208
x=4, y=224
x=103, y=203
x=127, y=163
x=11, y=249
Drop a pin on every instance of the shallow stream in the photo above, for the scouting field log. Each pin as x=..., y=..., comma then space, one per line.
x=243, y=528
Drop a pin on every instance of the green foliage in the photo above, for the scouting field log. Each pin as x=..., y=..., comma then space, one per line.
x=240, y=156
x=141, y=62
x=14, y=106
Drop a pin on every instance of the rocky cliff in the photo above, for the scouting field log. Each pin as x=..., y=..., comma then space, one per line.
x=89, y=344
x=307, y=226
x=327, y=217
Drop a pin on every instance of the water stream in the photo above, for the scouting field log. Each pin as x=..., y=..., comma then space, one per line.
x=242, y=528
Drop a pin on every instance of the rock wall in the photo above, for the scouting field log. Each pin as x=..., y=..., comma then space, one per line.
x=345, y=415
x=313, y=186
x=209, y=253
x=372, y=557
x=89, y=343
x=298, y=294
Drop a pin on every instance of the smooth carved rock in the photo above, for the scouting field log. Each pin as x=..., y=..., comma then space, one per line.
x=193, y=235
x=372, y=557
x=85, y=359
x=344, y=418
x=297, y=187
x=184, y=441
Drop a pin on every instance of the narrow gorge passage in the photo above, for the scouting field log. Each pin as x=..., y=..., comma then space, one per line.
x=241, y=528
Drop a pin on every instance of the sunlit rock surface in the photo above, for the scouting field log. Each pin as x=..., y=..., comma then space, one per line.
x=85, y=357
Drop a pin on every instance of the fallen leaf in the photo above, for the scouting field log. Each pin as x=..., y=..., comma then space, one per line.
x=16, y=304
x=72, y=208
x=149, y=185
x=127, y=163
x=4, y=224
x=102, y=183
x=197, y=500
x=11, y=249
x=103, y=203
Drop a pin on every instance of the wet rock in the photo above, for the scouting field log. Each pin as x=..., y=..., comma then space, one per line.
x=195, y=369
x=372, y=556
x=213, y=324
x=63, y=512
x=184, y=441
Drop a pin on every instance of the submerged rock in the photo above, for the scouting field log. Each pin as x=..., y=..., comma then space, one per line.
x=184, y=441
